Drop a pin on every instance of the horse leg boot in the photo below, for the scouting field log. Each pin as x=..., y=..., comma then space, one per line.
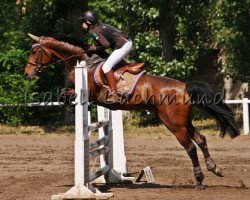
x=112, y=96
x=192, y=152
x=202, y=143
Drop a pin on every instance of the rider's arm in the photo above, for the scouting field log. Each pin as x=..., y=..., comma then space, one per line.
x=102, y=41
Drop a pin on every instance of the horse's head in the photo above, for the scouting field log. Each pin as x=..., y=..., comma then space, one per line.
x=39, y=58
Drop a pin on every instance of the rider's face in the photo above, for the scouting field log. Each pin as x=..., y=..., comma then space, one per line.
x=85, y=26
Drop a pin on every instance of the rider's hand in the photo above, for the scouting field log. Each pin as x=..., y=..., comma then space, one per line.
x=92, y=48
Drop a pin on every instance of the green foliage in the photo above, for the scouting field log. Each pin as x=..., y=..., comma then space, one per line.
x=13, y=88
x=14, y=50
x=39, y=17
x=12, y=58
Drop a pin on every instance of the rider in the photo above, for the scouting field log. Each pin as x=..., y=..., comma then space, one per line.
x=107, y=36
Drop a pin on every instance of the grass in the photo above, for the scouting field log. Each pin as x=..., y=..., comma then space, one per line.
x=36, y=130
x=205, y=126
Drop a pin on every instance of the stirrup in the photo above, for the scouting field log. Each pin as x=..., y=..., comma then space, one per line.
x=112, y=98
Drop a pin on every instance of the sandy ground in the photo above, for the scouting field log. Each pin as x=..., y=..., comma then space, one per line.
x=38, y=166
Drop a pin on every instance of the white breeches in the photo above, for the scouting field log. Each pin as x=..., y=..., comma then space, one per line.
x=116, y=56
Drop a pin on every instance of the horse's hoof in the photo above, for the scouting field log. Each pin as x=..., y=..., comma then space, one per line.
x=217, y=171
x=200, y=187
x=211, y=166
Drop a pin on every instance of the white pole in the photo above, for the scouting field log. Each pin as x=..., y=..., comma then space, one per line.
x=119, y=158
x=245, y=117
x=81, y=126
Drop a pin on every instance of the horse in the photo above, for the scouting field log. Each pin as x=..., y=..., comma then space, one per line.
x=154, y=93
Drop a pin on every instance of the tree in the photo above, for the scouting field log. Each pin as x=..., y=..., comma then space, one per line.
x=231, y=34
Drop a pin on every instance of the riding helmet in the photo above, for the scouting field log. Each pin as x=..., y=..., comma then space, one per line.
x=89, y=16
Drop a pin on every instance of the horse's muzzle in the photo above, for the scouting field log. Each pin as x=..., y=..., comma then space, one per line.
x=30, y=76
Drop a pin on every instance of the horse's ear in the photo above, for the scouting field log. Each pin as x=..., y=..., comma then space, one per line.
x=33, y=37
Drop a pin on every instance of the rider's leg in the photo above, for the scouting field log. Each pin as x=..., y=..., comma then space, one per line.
x=113, y=96
x=115, y=57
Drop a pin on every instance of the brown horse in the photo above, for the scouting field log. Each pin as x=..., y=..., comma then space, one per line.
x=171, y=100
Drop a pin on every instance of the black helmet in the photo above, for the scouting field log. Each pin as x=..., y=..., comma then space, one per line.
x=89, y=16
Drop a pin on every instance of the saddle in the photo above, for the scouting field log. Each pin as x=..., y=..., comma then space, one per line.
x=126, y=77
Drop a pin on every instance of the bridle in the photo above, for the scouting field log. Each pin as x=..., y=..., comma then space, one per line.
x=42, y=49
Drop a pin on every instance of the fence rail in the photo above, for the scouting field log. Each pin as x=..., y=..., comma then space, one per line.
x=245, y=112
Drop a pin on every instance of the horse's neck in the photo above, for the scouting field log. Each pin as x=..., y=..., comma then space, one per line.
x=68, y=61
x=67, y=53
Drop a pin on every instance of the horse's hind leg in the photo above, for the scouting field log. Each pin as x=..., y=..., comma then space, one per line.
x=185, y=140
x=200, y=140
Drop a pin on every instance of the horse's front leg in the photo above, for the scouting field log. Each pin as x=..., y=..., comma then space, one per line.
x=69, y=91
x=72, y=77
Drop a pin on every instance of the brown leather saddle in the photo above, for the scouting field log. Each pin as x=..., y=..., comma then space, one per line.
x=126, y=77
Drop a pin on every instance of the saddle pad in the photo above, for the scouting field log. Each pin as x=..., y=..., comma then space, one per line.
x=126, y=85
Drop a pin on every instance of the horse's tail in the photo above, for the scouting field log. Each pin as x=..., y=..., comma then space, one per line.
x=203, y=96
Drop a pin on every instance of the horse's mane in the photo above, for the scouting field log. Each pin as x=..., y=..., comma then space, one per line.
x=70, y=39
